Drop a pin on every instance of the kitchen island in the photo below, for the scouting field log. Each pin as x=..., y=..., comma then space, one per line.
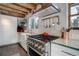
x=59, y=48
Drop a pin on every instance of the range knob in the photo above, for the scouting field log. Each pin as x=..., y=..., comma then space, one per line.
x=36, y=45
x=32, y=43
x=39, y=47
x=42, y=49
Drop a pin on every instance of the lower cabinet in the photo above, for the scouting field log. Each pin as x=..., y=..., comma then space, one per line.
x=23, y=40
x=57, y=50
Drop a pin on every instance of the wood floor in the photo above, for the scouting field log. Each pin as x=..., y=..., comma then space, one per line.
x=12, y=50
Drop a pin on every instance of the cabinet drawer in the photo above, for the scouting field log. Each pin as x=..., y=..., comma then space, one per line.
x=57, y=51
x=61, y=50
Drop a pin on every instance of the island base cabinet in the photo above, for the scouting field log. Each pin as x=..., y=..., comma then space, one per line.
x=57, y=51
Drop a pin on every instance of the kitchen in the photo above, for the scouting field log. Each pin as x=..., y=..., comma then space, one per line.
x=40, y=29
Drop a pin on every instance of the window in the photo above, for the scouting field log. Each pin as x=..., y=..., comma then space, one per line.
x=75, y=9
x=74, y=15
x=75, y=21
x=34, y=22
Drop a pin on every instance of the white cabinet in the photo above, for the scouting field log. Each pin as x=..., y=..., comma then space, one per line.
x=23, y=40
x=58, y=50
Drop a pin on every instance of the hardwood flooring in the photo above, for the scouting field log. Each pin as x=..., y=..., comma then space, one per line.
x=12, y=50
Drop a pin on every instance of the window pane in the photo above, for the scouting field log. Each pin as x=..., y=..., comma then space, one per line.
x=75, y=9
x=75, y=21
x=32, y=24
x=36, y=22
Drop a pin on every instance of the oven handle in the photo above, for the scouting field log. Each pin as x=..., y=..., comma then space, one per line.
x=67, y=53
x=46, y=53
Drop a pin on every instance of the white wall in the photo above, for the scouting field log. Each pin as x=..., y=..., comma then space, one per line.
x=62, y=19
x=29, y=17
x=8, y=30
x=74, y=38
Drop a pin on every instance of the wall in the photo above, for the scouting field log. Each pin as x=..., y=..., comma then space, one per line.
x=29, y=17
x=74, y=38
x=28, y=20
x=54, y=30
x=8, y=30
x=62, y=19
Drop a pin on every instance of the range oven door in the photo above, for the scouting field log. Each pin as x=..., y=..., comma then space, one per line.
x=32, y=52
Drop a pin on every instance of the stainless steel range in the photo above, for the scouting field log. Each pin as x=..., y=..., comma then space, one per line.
x=39, y=45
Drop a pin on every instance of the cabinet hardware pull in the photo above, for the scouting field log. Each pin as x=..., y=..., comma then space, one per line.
x=68, y=53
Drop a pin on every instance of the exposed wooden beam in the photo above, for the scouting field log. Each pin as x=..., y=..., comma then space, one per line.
x=9, y=6
x=12, y=14
x=27, y=5
x=19, y=7
x=35, y=4
x=10, y=10
x=22, y=5
x=16, y=14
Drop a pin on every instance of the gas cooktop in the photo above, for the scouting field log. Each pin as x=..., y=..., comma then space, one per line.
x=45, y=39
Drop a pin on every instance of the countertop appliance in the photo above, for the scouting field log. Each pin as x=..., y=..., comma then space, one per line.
x=39, y=45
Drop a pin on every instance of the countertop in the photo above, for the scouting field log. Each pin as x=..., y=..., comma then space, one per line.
x=61, y=42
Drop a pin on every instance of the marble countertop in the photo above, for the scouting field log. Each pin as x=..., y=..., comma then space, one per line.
x=61, y=42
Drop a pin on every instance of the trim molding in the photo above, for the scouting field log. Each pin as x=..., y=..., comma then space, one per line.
x=8, y=44
x=66, y=46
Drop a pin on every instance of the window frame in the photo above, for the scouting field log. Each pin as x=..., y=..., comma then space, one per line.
x=71, y=15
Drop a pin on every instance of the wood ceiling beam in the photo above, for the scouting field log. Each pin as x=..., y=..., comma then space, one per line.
x=20, y=7
x=10, y=14
x=16, y=14
x=26, y=5
x=10, y=10
x=8, y=6
x=35, y=4
x=2, y=11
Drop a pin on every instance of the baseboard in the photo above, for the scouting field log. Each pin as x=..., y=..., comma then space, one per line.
x=9, y=44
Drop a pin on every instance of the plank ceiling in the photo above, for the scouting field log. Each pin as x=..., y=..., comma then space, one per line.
x=20, y=9
x=17, y=9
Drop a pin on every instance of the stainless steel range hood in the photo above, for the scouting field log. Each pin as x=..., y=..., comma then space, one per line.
x=50, y=9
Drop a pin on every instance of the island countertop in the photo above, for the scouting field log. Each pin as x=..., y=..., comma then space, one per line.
x=60, y=42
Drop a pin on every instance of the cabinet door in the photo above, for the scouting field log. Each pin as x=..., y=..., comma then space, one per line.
x=71, y=51
x=57, y=50
x=23, y=41
x=19, y=37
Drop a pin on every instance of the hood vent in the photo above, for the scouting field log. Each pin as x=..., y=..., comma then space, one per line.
x=46, y=9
